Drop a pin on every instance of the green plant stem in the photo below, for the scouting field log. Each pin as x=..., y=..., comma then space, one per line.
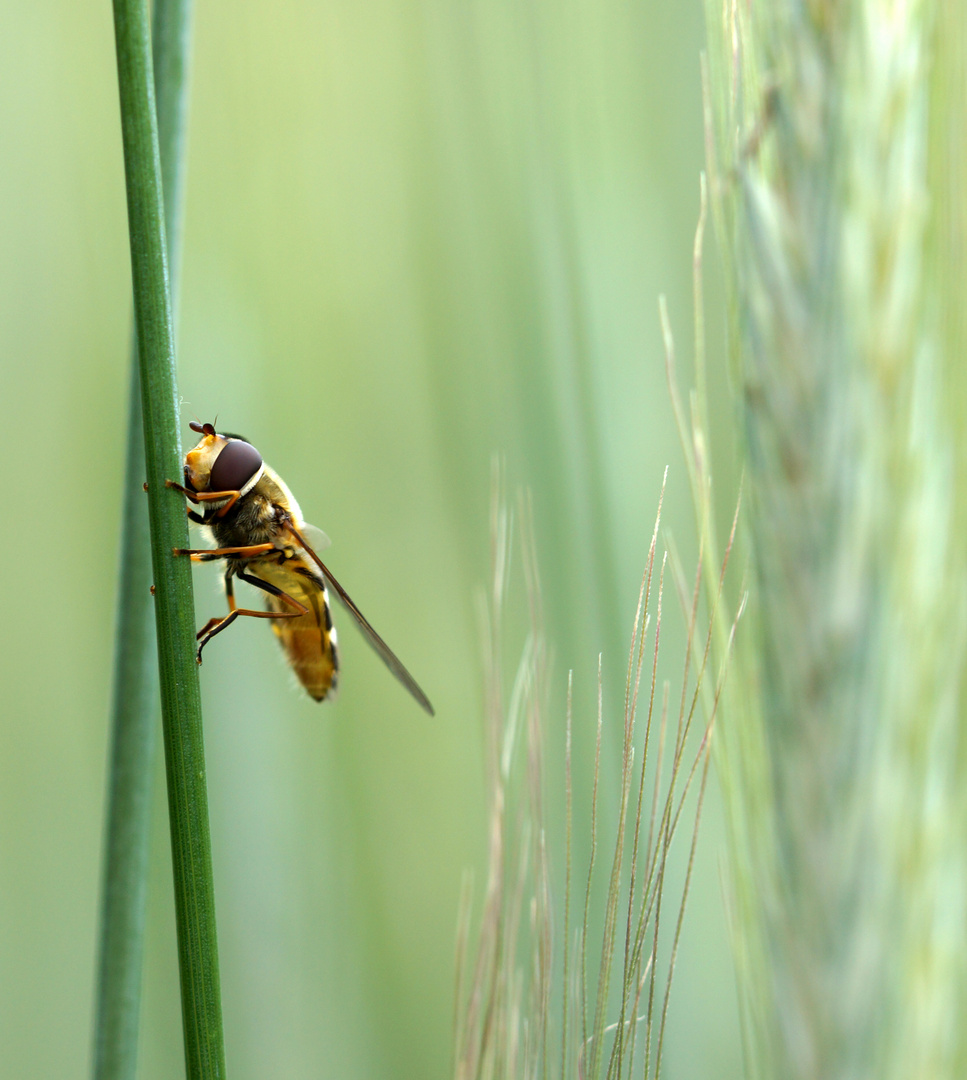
x=132, y=754
x=171, y=50
x=133, y=715
x=174, y=608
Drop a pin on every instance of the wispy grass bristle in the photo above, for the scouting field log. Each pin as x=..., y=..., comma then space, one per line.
x=612, y=1022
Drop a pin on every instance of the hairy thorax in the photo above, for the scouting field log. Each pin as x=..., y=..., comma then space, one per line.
x=255, y=519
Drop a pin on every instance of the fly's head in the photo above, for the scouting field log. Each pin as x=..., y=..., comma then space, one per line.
x=222, y=462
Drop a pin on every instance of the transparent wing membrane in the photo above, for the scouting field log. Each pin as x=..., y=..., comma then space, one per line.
x=385, y=653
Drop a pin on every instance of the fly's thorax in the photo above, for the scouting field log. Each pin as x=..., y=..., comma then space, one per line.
x=254, y=519
x=275, y=489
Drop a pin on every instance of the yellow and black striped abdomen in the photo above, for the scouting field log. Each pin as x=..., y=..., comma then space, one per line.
x=309, y=640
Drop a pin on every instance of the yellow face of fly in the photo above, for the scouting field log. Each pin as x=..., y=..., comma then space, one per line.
x=199, y=461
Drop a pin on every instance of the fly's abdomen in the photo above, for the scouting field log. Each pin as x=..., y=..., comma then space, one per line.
x=309, y=640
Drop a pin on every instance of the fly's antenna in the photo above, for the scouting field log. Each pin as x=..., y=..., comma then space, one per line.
x=203, y=429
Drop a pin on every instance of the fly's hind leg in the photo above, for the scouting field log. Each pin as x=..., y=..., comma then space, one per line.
x=217, y=625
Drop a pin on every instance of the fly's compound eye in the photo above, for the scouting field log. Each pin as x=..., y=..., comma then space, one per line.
x=235, y=466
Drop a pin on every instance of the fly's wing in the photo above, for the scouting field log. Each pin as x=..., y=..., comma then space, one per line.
x=316, y=538
x=386, y=654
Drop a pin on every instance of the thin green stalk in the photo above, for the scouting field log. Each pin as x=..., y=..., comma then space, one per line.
x=590, y=876
x=131, y=761
x=180, y=698
x=121, y=944
x=568, y=832
x=132, y=753
x=171, y=54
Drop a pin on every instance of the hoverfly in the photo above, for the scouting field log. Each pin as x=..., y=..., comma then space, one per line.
x=260, y=534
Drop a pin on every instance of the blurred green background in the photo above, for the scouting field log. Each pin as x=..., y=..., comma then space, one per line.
x=417, y=235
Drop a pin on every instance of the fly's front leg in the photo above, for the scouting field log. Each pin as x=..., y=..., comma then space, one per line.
x=216, y=626
x=193, y=496
x=207, y=496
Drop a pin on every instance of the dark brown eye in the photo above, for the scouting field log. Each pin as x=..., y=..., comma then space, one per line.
x=235, y=466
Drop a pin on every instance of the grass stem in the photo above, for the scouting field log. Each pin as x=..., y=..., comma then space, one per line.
x=135, y=693
x=174, y=607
